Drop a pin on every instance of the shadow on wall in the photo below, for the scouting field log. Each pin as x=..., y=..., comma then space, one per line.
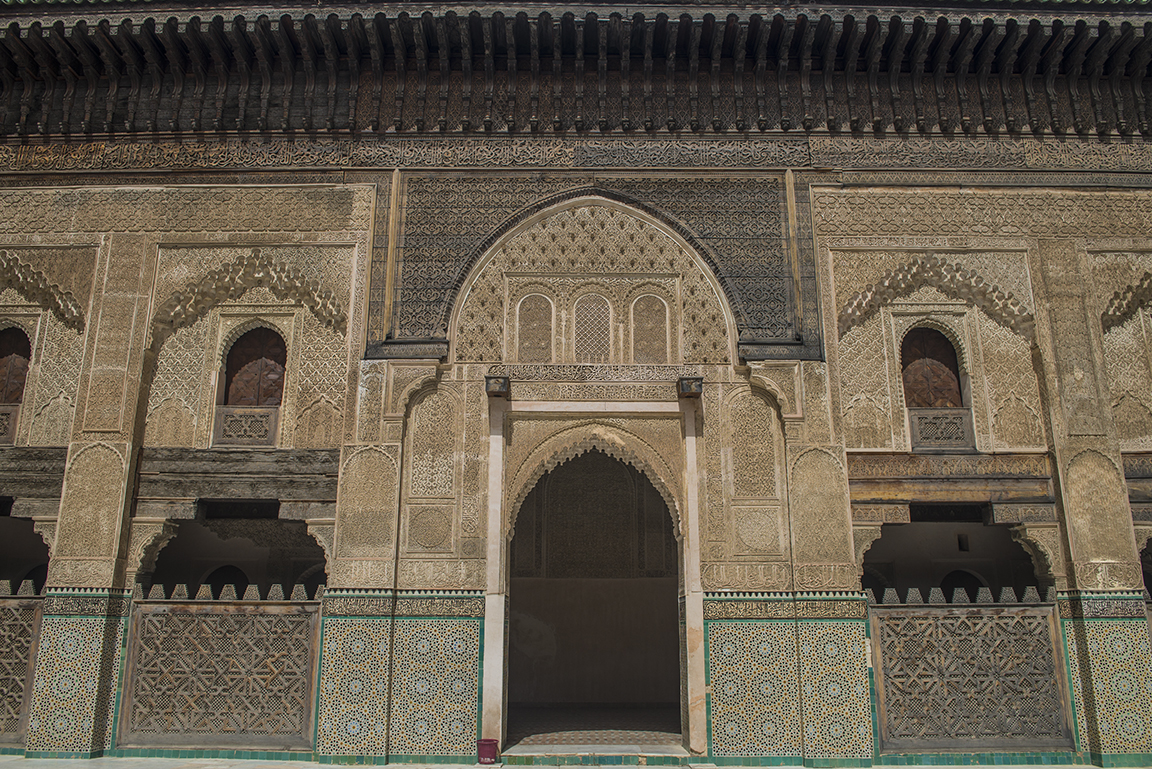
x=239, y=543
x=947, y=547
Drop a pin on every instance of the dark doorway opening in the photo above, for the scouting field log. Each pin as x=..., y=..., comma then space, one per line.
x=594, y=636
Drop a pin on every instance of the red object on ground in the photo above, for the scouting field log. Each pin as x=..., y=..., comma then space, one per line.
x=487, y=751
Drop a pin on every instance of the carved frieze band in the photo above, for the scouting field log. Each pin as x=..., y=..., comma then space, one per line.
x=834, y=152
x=87, y=604
x=577, y=373
x=944, y=466
x=1023, y=513
x=878, y=513
x=784, y=606
x=1090, y=606
x=420, y=605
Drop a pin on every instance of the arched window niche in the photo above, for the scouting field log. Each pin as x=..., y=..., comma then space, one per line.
x=15, y=357
x=935, y=393
x=252, y=387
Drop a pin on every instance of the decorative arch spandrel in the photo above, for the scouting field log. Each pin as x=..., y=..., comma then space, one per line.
x=652, y=445
x=585, y=246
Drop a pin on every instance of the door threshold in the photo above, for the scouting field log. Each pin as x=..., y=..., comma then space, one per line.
x=594, y=749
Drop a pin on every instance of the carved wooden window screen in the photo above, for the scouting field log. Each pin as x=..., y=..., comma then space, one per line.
x=19, y=627
x=15, y=353
x=254, y=373
x=968, y=678
x=234, y=675
x=534, y=330
x=931, y=372
x=649, y=330
x=593, y=330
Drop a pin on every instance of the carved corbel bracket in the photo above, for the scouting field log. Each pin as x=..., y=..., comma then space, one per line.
x=323, y=530
x=147, y=538
x=862, y=539
x=1045, y=544
x=46, y=528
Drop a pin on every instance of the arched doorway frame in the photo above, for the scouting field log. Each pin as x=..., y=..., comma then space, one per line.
x=674, y=478
x=677, y=480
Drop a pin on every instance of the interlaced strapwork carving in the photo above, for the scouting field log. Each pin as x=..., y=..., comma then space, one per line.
x=241, y=426
x=593, y=330
x=583, y=250
x=962, y=678
x=534, y=330
x=214, y=677
x=17, y=622
x=649, y=330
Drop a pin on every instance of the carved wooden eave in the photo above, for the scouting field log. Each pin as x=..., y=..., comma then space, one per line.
x=352, y=72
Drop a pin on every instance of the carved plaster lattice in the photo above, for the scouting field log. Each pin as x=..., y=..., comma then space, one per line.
x=933, y=659
x=37, y=287
x=231, y=281
x=951, y=279
x=592, y=247
x=57, y=363
x=654, y=446
x=185, y=669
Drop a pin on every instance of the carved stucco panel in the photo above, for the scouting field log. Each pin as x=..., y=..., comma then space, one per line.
x=1128, y=364
x=51, y=403
x=821, y=522
x=592, y=245
x=537, y=443
x=867, y=402
x=366, y=514
x=1099, y=523
x=91, y=515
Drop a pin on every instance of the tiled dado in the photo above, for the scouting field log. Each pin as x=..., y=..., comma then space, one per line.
x=788, y=677
x=400, y=675
x=1110, y=670
x=77, y=667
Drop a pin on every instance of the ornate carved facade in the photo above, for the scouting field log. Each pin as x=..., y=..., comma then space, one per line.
x=372, y=380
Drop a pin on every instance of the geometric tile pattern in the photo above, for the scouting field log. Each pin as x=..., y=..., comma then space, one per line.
x=837, y=708
x=954, y=678
x=1111, y=664
x=754, y=705
x=206, y=678
x=74, y=684
x=17, y=623
x=435, y=687
x=352, y=716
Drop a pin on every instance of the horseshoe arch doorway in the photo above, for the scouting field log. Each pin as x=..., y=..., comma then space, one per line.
x=595, y=644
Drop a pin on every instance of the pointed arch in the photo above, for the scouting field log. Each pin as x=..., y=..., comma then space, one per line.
x=231, y=281
x=948, y=278
x=575, y=441
x=589, y=195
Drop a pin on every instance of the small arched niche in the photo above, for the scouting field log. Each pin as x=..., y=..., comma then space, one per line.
x=15, y=358
x=252, y=389
x=935, y=392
